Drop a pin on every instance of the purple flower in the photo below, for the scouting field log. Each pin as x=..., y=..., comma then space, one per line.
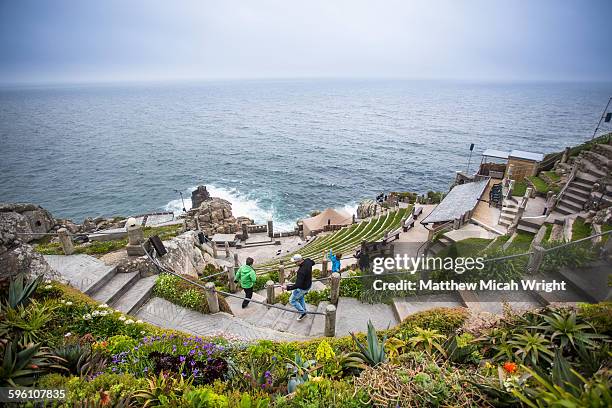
x=182, y=359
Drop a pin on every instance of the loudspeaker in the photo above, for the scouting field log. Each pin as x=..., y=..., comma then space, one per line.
x=158, y=245
x=201, y=237
x=608, y=117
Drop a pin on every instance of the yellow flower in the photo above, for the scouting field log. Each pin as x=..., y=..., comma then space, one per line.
x=324, y=351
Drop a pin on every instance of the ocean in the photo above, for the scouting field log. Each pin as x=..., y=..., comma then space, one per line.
x=276, y=148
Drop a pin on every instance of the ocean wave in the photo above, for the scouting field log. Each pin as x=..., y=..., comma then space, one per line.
x=247, y=207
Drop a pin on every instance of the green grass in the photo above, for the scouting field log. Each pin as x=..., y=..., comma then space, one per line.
x=104, y=247
x=542, y=186
x=553, y=176
x=522, y=240
x=549, y=228
x=346, y=239
x=580, y=229
x=519, y=188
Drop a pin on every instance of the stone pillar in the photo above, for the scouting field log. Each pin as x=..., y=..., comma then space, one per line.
x=212, y=298
x=335, y=288
x=135, y=239
x=227, y=251
x=353, y=218
x=281, y=273
x=270, y=228
x=270, y=292
x=528, y=192
x=236, y=261
x=245, y=231
x=214, y=249
x=565, y=155
x=430, y=234
x=231, y=275
x=66, y=241
x=456, y=223
x=324, y=266
x=535, y=260
x=330, y=321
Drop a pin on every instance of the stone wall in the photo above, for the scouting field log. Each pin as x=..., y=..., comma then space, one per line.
x=212, y=217
x=21, y=223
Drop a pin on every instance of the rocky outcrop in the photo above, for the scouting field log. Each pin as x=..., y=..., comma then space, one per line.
x=198, y=196
x=21, y=223
x=367, y=208
x=23, y=219
x=213, y=216
x=183, y=257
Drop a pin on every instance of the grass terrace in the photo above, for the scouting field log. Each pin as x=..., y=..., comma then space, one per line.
x=347, y=239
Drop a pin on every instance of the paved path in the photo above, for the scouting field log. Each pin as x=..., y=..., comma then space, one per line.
x=83, y=272
x=162, y=313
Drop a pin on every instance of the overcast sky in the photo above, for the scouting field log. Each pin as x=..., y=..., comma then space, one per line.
x=118, y=40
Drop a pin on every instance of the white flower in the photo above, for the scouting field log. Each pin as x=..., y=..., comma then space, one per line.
x=68, y=334
x=103, y=313
x=62, y=301
x=129, y=321
x=68, y=303
x=122, y=318
x=103, y=306
x=95, y=313
x=48, y=281
x=139, y=321
x=48, y=286
x=142, y=332
x=87, y=316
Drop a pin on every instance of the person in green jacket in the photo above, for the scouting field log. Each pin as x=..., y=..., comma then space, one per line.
x=246, y=276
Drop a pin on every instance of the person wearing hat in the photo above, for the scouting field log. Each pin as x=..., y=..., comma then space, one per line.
x=302, y=284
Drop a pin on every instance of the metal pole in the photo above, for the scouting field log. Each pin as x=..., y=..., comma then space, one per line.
x=602, y=117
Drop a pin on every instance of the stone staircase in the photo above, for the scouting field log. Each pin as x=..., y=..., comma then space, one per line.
x=442, y=242
x=125, y=292
x=530, y=224
x=508, y=212
x=594, y=165
x=280, y=320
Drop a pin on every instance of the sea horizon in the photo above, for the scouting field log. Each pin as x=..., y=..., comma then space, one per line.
x=397, y=134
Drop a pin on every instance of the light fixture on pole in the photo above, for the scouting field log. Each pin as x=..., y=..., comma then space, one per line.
x=182, y=200
x=467, y=172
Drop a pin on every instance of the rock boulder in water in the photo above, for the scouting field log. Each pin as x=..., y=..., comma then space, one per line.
x=198, y=196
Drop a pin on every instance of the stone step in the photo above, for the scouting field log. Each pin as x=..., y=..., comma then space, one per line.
x=593, y=169
x=591, y=282
x=586, y=178
x=284, y=320
x=581, y=186
x=584, y=194
x=253, y=309
x=597, y=159
x=509, y=210
x=508, y=217
x=84, y=272
x=562, y=209
x=574, y=198
x=603, y=149
x=302, y=327
x=527, y=228
x=569, y=204
x=317, y=327
x=116, y=287
x=136, y=295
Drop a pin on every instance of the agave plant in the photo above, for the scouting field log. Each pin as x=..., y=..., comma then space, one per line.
x=20, y=291
x=163, y=390
x=531, y=347
x=428, y=339
x=80, y=360
x=26, y=323
x=300, y=369
x=564, y=328
x=21, y=365
x=373, y=352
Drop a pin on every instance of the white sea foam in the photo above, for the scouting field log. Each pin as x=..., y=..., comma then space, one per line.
x=243, y=206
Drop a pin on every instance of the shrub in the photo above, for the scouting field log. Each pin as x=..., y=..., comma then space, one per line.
x=176, y=290
x=599, y=315
x=445, y=320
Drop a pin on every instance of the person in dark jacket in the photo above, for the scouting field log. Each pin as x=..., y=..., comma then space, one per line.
x=363, y=260
x=302, y=284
